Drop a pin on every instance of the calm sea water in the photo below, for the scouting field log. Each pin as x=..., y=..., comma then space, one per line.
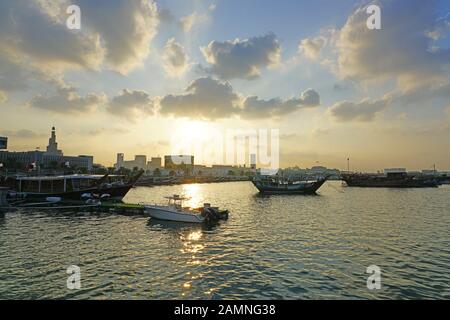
x=287, y=247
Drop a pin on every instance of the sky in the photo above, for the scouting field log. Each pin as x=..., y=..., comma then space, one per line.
x=177, y=76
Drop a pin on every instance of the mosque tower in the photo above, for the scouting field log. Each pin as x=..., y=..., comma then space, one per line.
x=52, y=147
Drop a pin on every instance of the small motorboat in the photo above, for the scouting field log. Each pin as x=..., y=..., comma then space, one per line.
x=174, y=211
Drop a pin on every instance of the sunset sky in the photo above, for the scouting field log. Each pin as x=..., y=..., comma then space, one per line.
x=140, y=73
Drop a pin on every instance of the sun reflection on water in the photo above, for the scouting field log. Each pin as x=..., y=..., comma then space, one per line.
x=189, y=242
x=192, y=248
x=194, y=236
x=193, y=192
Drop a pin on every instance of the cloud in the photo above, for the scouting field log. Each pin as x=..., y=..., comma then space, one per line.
x=29, y=33
x=13, y=75
x=311, y=47
x=320, y=132
x=309, y=98
x=175, y=59
x=404, y=53
x=421, y=93
x=208, y=98
x=67, y=100
x=205, y=98
x=342, y=86
x=447, y=112
x=253, y=107
x=401, y=51
x=131, y=104
x=34, y=39
x=363, y=111
x=107, y=131
x=242, y=58
x=3, y=97
x=22, y=134
x=165, y=16
x=188, y=22
x=126, y=29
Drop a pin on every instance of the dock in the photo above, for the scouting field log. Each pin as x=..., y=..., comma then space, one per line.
x=105, y=207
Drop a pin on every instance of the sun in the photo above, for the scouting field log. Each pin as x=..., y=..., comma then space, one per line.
x=200, y=139
x=193, y=131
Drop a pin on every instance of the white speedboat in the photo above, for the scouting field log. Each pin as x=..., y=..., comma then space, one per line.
x=174, y=211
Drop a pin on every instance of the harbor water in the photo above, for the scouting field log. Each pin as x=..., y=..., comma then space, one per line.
x=280, y=246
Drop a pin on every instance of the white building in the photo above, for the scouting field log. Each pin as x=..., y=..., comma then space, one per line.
x=154, y=163
x=140, y=161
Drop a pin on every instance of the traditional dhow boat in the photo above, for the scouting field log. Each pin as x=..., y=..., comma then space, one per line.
x=279, y=185
x=390, y=179
x=70, y=187
x=441, y=179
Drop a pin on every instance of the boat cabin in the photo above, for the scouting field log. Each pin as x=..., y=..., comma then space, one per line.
x=63, y=183
x=176, y=200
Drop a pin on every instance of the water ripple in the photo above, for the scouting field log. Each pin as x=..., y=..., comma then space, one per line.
x=285, y=247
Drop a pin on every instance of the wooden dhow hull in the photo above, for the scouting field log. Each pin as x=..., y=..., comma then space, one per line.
x=300, y=188
x=368, y=181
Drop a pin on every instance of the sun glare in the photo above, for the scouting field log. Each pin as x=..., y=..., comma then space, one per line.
x=194, y=131
x=201, y=139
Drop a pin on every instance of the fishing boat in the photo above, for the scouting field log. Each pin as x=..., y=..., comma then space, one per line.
x=277, y=184
x=70, y=187
x=174, y=211
x=389, y=179
x=442, y=179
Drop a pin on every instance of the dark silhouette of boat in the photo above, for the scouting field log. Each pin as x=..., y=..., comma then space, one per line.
x=279, y=185
x=70, y=187
x=388, y=180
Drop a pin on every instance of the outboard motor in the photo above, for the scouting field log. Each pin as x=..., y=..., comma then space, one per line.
x=208, y=213
x=213, y=214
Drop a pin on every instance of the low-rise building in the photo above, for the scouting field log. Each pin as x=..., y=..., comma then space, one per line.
x=53, y=157
x=140, y=162
x=154, y=163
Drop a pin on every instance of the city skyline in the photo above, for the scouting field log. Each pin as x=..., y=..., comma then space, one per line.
x=188, y=68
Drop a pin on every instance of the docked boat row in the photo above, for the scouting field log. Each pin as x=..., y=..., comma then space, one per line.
x=390, y=179
x=83, y=192
x=69, y=187
x=91, y=190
